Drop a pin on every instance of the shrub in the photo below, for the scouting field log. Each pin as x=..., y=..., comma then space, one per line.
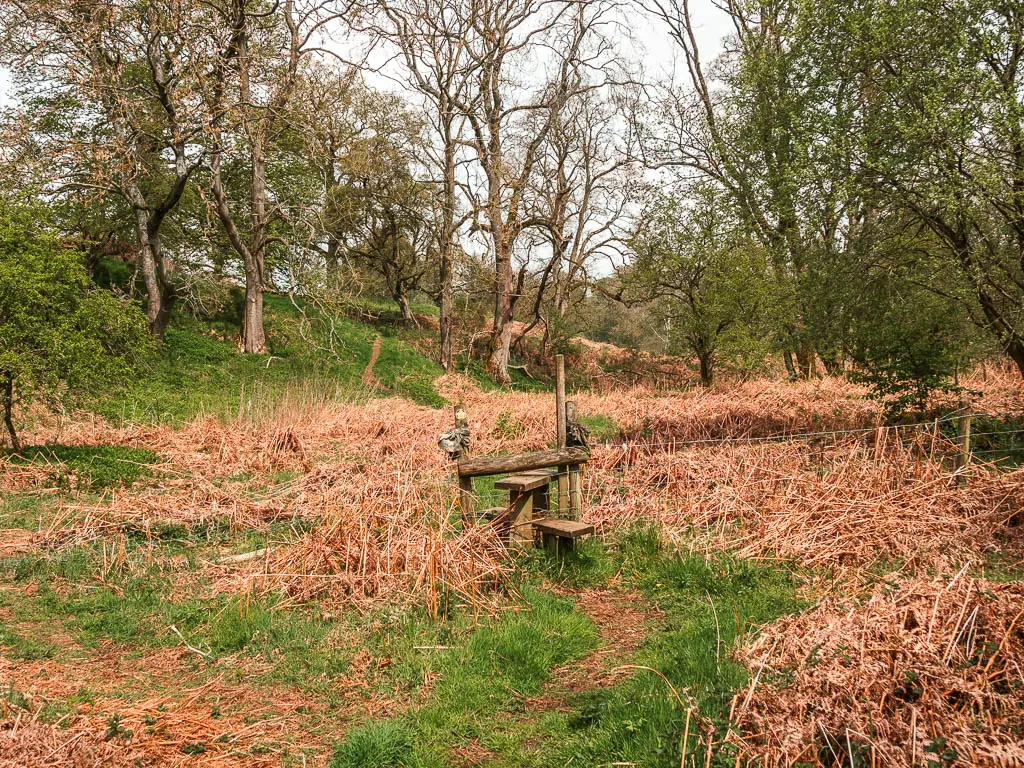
x=60, y=336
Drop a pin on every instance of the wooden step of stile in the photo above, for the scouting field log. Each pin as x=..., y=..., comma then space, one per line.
x=559, y=535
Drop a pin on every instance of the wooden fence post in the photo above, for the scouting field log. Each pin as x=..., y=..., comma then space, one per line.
x=465, y=483
x=963, y=440
x=575, y=474
x=563, y=479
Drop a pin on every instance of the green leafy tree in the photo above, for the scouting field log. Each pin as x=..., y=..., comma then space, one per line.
x=61, y=337
x=706, y=276
x=908, y=346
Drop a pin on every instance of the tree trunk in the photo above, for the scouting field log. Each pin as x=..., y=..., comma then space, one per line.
x=787, y=358
x=159, y=294
x=402, y=300
x=330, y=181
x=707, y=367
x=805, y=359
x=254, y=341
x=501, y=338
x=8, y=401
x=446, y=308
x=333, y=263
x=446, y=271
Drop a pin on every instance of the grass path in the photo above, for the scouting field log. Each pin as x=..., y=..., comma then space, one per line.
x=369, y=378
x=623, y=620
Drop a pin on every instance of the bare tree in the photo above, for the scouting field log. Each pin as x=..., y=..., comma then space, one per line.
x=510, y=126
x=253, y=81
x=585, y=191
x=431, y=35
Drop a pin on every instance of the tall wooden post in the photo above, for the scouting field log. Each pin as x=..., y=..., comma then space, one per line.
x=563, y=479
x=575, y=474
x=465, y=483
x=963, y=440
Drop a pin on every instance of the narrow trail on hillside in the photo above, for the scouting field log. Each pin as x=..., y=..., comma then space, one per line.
x=623, y=619
x=369, y=379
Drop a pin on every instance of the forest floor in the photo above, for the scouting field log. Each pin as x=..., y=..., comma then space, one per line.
x=260, y=563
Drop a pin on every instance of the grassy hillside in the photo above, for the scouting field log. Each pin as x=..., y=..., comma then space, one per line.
x=200, y=370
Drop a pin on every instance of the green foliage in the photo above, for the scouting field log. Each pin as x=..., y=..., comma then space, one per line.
x=91, y=467
x=707, y=278
x=387, y=744
x=111, y=273
x=60, y=338
x=908, y=343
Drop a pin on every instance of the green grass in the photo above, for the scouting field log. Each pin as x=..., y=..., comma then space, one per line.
x=485, y=680
x=707, y=606
x=481, y=676
x=95, y=601
x=403, y=370
x=90, y=467
x=997, y=438
x=21, y=646
x=305, y=649
x=601, y=427
x=200, y=370
x=25, y=510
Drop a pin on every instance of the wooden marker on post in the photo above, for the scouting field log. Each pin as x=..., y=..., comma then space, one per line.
x=563, y=470
x=465, y=483
x=575, y=474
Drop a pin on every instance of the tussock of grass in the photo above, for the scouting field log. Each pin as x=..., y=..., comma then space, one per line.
x=378, y=745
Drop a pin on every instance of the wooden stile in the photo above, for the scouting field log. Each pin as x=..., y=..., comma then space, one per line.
x=466, y=498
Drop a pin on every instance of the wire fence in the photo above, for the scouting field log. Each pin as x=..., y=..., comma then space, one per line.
x=640, y=450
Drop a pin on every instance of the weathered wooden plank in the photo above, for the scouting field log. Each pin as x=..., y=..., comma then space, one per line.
x=466, y=498
x=522, y=482
x=520, y=531
x=521, y=462
x=569, y=529
x=548, y=472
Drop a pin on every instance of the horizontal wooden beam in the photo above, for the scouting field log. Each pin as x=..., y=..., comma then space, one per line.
x=521, y=462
